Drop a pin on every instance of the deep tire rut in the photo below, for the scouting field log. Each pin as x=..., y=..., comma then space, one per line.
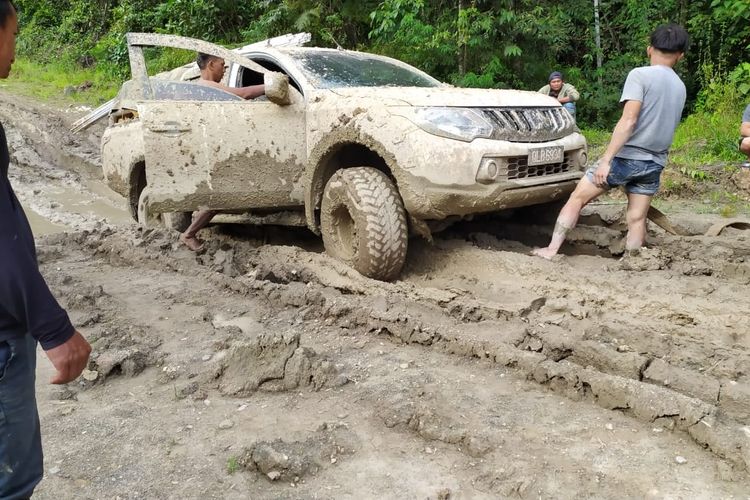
x=576, y=368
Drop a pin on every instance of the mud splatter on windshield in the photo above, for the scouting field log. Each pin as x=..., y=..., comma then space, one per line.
x=330, y=70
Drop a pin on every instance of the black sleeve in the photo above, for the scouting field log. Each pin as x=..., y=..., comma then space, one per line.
x=24, y=295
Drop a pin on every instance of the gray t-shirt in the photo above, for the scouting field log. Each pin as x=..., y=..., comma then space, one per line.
x=662, y=95
x=746, y=114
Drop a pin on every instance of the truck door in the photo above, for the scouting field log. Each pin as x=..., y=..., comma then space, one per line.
x=223, y=154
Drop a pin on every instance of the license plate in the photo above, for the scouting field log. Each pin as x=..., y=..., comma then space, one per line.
x=544, y=156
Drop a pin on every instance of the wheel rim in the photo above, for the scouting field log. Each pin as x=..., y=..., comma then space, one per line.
x=345, y=231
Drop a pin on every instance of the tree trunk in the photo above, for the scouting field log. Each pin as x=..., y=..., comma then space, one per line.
x=461, y=43
x=598, y=39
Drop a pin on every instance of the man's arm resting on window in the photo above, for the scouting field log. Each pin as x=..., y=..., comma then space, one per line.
x=250, y=92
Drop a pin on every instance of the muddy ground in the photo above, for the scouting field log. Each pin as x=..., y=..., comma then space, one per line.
x=264, y=369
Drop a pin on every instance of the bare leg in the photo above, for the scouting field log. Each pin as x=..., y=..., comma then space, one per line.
x=200, y=220
x=585, y=192
x=638, y=205
x=745, y=148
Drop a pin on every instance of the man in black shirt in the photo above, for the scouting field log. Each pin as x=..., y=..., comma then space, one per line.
x=29, y=314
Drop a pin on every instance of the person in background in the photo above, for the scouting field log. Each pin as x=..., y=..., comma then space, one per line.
x=29, y=315
x=653, y=99
x=565, y=93
x=745, y=136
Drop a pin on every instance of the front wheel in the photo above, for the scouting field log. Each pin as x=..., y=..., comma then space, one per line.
x=363, y=222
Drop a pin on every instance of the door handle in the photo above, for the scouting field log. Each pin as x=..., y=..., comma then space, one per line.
x=170, y=129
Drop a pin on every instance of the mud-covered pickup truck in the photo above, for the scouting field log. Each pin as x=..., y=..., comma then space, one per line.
x=358, y=147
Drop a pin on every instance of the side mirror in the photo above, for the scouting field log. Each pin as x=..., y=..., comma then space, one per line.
x=277, y=88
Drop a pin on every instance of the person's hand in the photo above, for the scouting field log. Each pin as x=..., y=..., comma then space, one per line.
x=69, y=359
x=563, y=100
x=601, y=173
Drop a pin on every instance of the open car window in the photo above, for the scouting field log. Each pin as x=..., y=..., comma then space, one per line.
x=138, y=41
x=250, y=77
x=187, y=91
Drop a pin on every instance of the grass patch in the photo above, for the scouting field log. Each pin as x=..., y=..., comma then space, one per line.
x=597, y=140
x=67, y=83
x=705, y=143
x=706, y=139
x=60, y=83
x=233, y=465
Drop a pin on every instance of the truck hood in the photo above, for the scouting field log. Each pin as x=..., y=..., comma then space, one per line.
x=448, y=97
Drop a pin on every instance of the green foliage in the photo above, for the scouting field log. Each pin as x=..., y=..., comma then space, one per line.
x=233, y=465
x=710, y=134
x=50, y=81
x=597, y=140
x=740, y=78
x=695, y=174
x=475, y=43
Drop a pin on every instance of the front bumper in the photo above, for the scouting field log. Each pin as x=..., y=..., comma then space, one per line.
x=431, y=202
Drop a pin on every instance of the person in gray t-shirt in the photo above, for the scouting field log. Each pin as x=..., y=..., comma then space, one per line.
x=659, y=115
x=745, y=134
x=653, y=99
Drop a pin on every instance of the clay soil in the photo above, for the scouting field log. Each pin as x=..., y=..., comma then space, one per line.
x=264, y=369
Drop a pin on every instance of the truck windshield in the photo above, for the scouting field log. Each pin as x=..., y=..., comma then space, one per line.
x=332, y=69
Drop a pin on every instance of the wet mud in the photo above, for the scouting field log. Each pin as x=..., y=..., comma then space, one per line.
x=263, y=368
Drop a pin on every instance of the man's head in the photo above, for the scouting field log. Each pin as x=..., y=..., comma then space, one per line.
x=212, y=67
x=8, y=32
x=671, y=40
x=556, y=80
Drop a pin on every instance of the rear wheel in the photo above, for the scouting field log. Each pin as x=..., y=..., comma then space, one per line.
x=144, y=217
x=135, y=194
x=363, y=222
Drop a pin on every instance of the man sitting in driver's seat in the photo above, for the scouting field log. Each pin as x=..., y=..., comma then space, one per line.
x=212, y=72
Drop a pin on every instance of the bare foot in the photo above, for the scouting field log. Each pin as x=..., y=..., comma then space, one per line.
x=192, y=243
x=545, y=253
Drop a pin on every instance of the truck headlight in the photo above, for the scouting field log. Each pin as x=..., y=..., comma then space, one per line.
x=463, y=124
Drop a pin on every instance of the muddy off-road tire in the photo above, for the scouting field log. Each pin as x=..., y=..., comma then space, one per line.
x=144, y=217
x=363, y=222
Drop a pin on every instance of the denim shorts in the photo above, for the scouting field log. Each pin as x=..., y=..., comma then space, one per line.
x=637, y=176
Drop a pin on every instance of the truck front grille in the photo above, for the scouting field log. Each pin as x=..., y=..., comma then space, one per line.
x=530, y=124
x=518, y=168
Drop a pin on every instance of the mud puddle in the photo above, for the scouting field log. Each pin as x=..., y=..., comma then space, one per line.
x=40, y=225
x=90, y=201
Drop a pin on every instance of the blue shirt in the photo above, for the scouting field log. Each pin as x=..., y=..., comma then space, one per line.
x=26, y=303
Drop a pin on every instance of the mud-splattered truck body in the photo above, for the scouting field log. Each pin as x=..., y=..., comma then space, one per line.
x=359, y=147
